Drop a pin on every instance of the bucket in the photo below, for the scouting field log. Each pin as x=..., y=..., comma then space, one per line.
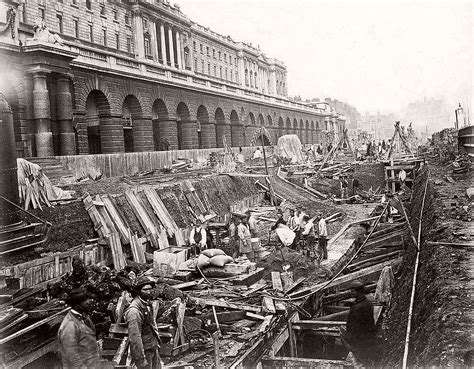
x=255, y=243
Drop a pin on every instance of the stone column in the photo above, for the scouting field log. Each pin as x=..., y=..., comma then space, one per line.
x=142, y=134
x=153, y=40
x=179, y=60
x=273, y=87
x=170, y=41
x=221, y=131
x=189, y=134
x=237, y=137
x=111, y=134
x=81, y=131
x=240, y=62
x=169, y=129
x=42, y=115
x=8, y=165
x=67, y=139
x=208, y=135
x=139, y=40
x=163, y=43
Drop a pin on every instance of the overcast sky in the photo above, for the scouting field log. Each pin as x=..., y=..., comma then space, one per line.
x=376, y=55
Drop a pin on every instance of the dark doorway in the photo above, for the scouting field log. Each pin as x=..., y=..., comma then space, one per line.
x=93, y=139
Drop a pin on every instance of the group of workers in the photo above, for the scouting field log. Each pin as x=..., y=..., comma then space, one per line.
x=78, y=346
x=300, y=233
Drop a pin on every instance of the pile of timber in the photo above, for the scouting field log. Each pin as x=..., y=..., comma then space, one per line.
x=336, y=170
x=35, y=188
x=111, y=223
x=196, y=206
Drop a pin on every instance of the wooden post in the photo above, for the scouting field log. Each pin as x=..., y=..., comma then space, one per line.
x=215, y=339
x=266, y=167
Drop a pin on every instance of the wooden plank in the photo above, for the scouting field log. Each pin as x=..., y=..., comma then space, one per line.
x=295, y=284
x=138, y=251
x=185, y=285
x=268, y=305
x=113, y=240
x=315, y=324
x=33, y=326
x=121, y=351
x=143, y=217
x=99, y=205
x=116, y=218
x=276, y=281
x=266, y=323
x=160, y=211
x=228, y=305
x=225, y=317
x=99, y=224
x=372, y=272
x=291, y=362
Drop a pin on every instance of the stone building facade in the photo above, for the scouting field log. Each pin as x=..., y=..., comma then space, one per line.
x=137, y=75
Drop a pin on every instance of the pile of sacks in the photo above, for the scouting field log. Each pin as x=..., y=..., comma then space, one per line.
x=213, y=257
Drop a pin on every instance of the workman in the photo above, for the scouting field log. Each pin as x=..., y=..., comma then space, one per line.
x=77, y=336
x=197, y=238
x=142, y=330
x=402, y=176
x=359, y=334
x=295, y=226
x=280, y=220
x=309, y=237
x=233, y=238
x=344, y=186
x=322, y=237
x=245, y=242
x=355, y=186
x=252, y=223
x=257, y=154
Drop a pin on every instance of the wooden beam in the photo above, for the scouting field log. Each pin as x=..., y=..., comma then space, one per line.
x=291, y=362
x=370, y=273
x=228, y=305
x=315, y=324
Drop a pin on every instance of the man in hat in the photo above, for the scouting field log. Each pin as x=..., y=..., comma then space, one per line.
x=142, y=329
x=280, y=220
x=77, y=340
x=198, y=238
x=252, y=223
x=322, y=237
x=359, y=334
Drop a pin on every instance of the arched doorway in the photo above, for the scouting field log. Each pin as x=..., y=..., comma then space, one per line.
x=187, y=129
x=222, y=129
x=134, y=138
x=98, y=139
x=161, y=136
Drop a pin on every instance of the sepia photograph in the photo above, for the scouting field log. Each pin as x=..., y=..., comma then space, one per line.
x=236, y=184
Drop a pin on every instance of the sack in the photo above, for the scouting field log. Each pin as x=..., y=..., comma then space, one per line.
x=197, y=235
x=220, y=260
x=212, y=252
x=203, y=261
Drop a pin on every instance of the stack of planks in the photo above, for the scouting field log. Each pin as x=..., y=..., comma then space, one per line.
x=196, y=207
x=119, y=228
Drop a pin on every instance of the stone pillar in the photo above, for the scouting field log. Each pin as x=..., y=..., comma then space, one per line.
x=240, y=62
x=8, y=166
x=179, y=61
x=67, y=139
x=208, y=135
x=42, y=115
x=163, y=43
x=111, y=134
x=169, y=129
x=139, y=39
x=221, y=131
x=189, y=134
x=81, y=132
x=237, y=137
x=153, y=40
x=170, y=42
x=142, y=134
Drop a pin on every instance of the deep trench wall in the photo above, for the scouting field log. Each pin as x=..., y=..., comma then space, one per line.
x=370, y=175
x=428, y=338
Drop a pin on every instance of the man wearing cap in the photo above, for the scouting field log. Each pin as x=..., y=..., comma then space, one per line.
x=142, y=329
x=252, y=223
x=359, y=334
x=280, y=220
x=198, y=238
x=77, y=340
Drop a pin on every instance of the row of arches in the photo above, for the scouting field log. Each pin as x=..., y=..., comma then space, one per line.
x=103, y=132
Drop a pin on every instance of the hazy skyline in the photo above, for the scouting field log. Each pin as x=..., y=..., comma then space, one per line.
x=377, y=56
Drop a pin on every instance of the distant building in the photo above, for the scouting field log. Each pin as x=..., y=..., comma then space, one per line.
x=379, y=126
x=428, y=116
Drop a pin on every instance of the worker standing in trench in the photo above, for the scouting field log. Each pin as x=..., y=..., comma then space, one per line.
x=359, y=334
x=77, y=340
x=142, y=330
